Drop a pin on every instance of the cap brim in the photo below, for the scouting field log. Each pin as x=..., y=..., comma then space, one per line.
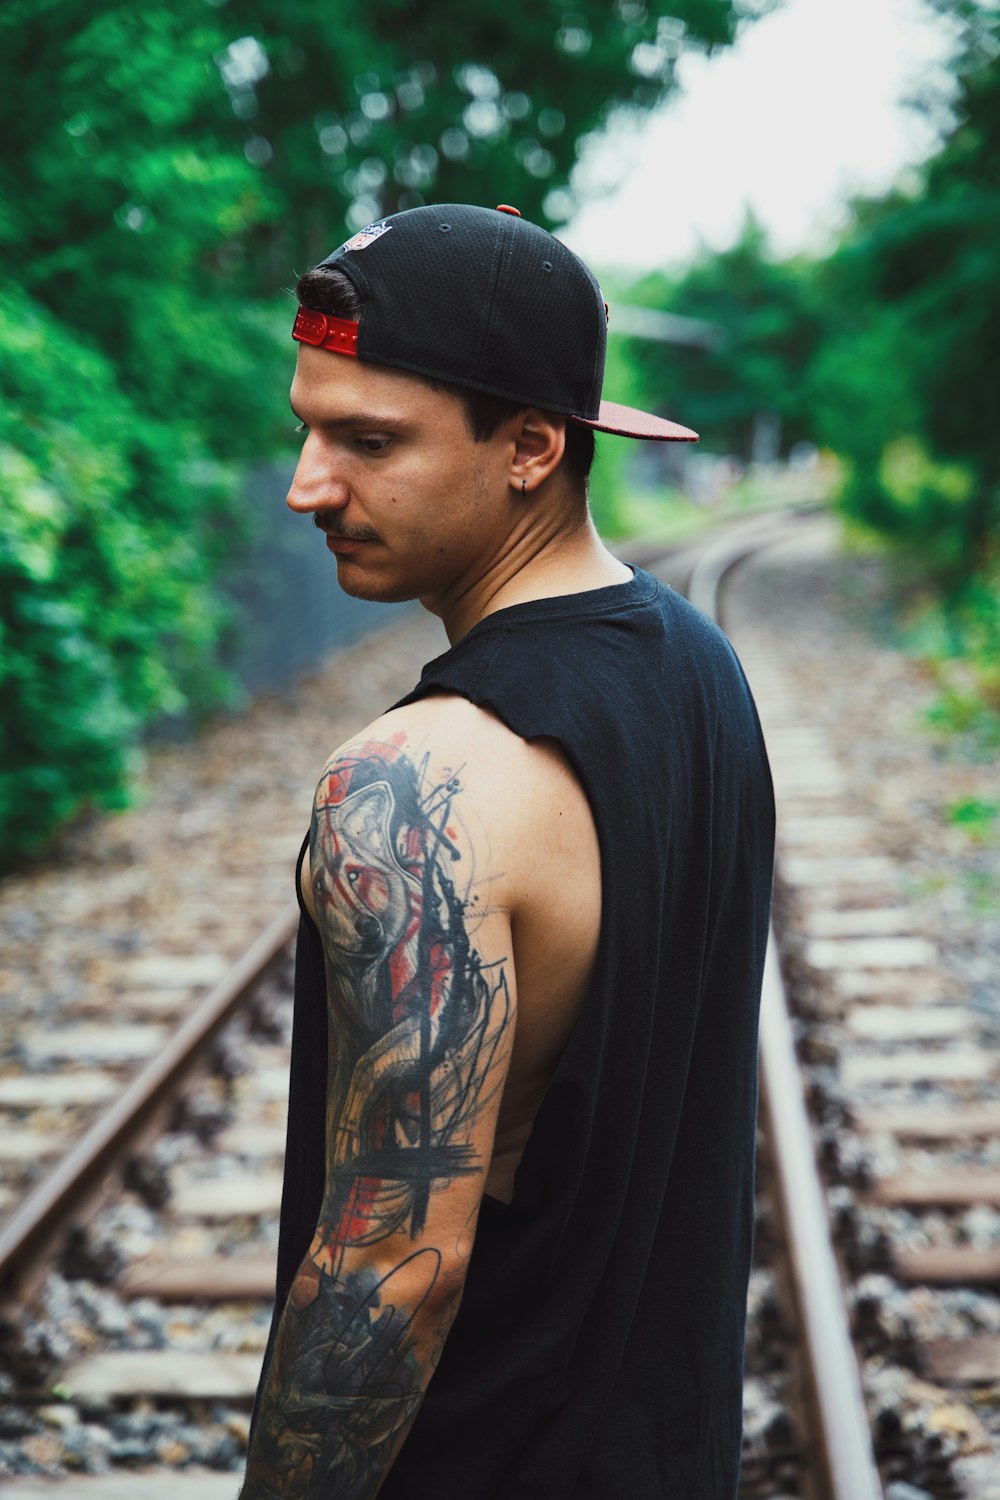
x=627, y=421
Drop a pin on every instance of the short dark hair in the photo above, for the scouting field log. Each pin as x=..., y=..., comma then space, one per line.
x=325, y=289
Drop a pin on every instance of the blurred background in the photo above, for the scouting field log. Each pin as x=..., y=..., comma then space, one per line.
x=794, y=210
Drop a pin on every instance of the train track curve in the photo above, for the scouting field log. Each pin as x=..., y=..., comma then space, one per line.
x=825, y=1446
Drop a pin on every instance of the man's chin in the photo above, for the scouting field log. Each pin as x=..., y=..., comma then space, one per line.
x=371, y=589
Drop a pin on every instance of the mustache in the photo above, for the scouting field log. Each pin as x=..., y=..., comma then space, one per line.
x=348, y=535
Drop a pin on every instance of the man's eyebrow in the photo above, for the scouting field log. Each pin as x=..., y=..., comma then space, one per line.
x=355, y=419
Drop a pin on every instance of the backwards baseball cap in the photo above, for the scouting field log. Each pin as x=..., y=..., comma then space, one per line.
x=481, y=298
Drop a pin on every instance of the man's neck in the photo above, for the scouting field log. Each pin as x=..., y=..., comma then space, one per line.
x=567, y=563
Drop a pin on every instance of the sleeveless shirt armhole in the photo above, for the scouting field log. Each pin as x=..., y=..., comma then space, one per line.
x=298, y=882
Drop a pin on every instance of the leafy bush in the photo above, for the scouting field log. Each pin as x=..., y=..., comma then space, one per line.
x=915, y=501
x=167, y=167
x=108, y=614
x=763, y=327
x=977, y=817
x=959, y=637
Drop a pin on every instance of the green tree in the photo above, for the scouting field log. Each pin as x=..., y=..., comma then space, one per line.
x=433, y=102
x=906, y=387
x=768, y=325
x=166, y=169
x=127, y=389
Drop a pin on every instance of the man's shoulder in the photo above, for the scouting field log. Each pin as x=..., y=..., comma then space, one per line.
x=505, y=789
x=442, y=725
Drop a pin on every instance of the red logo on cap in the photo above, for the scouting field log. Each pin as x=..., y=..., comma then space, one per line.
x=368, y=235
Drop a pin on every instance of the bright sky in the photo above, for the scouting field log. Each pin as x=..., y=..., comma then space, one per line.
x=803, y=111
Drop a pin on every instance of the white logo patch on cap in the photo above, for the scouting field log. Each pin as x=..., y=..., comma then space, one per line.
x=368, y=235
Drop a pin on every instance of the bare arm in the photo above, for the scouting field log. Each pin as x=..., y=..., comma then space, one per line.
x=421, y=1019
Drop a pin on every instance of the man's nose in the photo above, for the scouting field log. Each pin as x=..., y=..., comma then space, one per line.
x=315, y=485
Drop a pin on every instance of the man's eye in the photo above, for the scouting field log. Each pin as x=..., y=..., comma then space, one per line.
x=373, y=445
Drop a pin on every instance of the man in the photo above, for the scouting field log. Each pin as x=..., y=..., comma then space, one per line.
x=518, y=1204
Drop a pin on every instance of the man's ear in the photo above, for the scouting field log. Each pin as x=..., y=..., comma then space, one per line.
x=539, y=444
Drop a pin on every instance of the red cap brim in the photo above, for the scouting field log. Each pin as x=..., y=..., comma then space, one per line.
x=628, y=421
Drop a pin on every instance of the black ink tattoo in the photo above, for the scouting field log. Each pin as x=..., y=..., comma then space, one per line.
x=418, y=1035
x=343, y=1386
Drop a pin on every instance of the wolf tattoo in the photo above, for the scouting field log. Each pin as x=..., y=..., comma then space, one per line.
x=415, y=1018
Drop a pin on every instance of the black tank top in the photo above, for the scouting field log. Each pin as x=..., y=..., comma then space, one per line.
x=598, y=1349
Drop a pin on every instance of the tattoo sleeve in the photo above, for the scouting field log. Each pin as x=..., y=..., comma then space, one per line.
x=419, y=1037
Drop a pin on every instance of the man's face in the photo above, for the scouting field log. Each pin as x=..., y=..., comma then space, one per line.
x=413, y=507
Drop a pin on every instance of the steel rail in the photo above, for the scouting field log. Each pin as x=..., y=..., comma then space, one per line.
x=836, y=1396
x=848, y=1470
x=46, y=1209
x=835, y=1393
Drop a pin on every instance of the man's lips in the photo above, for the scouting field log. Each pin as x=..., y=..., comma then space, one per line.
x=346, y=544
x=342, y=541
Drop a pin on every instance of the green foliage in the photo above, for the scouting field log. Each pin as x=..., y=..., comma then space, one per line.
x=959, y=636
x=768, y=328
x=393, y=104
x=912, y=365
x=167, y=170
x=905, y=385
x=127, y=391
x=976, y=817
x=887, y=353
x=107, y=614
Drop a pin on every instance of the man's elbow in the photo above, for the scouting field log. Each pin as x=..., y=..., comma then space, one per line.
x=414, y=1287
x=426, y=1279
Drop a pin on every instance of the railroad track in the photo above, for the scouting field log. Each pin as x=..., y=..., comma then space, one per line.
x=903, y=1089
x=181, y=1262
